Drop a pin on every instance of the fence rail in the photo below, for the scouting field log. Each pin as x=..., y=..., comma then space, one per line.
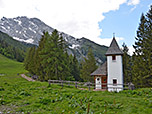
x=90, y=85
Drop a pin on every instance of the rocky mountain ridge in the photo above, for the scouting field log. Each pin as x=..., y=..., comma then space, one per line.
x=29, y=30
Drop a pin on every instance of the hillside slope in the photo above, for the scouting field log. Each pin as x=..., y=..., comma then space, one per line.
x=12, y=48
x=10, y=67
x=17, y=95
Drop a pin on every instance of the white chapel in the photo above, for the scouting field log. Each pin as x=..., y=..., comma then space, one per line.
x=110, y=74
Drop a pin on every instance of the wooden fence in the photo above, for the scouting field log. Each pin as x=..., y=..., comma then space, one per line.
x=89, y=85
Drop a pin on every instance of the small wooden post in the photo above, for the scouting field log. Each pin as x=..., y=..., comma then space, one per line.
x=89, y=86
x=62, y=83
x=69, y=83
x=75, y=84
x=49, y=83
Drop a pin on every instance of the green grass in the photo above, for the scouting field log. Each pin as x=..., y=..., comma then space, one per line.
x=10, y=67
x=18, y=95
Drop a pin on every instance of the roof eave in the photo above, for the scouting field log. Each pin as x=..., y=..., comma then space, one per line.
x=114, y=54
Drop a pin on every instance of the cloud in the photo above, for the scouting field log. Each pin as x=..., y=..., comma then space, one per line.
x=133, y=2
x=1, y=3
x=107, y=41
x=132, y=9
x=78, y=18
x=131, y=50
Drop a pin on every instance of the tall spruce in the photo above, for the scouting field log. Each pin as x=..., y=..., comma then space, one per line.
x=142, y=57
x=29, y=60
x=126, y=64
x=54, y=57
x=38, y=65
x=88, y=66
x=148, y=49
x=74, y=68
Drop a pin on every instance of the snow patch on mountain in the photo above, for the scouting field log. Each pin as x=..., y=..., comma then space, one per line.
x=22, y=40
x=18, y=21
x=74, y=46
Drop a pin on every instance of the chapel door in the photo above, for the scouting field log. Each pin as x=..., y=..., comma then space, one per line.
x=104, y=82
x=98, y=82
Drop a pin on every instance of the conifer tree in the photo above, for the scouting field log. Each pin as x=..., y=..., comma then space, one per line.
x=29, y=60
x=75, y=69
x=88, y=66
x=138, y=56
x=38, y=65
x=126, y=64
x=142, y=58
x=54, y=57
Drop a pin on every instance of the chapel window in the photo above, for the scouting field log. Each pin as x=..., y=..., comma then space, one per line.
x=114, y=81
x=113, y=57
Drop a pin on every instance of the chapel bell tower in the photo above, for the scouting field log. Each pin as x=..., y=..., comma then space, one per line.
x=114, y=67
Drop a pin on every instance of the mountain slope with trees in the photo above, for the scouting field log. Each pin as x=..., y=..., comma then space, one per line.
x=11, y=48
x=30, y=30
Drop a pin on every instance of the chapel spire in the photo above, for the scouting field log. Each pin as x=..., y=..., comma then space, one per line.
x=114, y=48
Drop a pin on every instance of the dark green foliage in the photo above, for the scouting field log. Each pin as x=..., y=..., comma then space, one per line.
x=30, y=61
x=142, y=57
x=126, y=65
x=50, y=60
x=54, y=57
x=74, y=66
x=11, y=48
x=38, y=64
x=88, y=66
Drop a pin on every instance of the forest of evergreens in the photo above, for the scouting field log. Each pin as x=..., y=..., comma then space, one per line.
x=11, y=48
x=51, y=60
x=138, y=67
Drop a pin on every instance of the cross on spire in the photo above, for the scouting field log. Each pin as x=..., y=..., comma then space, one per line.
x=113, y=35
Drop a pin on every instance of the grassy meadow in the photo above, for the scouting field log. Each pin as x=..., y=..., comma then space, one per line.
x=17, y=95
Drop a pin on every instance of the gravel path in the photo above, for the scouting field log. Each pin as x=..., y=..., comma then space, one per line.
x=27, y=78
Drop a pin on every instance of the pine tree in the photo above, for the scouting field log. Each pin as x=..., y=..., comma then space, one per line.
x=142, y=58
x=26, y=60
x=88, y=66
x=29, y=60
x=68, y=67
x=38, y=65
x=138, y=63
x=54, y=57
x=126, y=64
x=75, y=69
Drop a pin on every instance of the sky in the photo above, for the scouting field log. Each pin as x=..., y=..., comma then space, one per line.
x=96, y=20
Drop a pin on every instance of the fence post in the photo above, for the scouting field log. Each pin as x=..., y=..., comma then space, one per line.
x=49, y=83
x=89, y=86
x=68, y=83
x=62, y=83
x=75, y=84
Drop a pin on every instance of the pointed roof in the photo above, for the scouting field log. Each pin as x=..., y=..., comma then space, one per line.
x=102, y=70
x=114, y=48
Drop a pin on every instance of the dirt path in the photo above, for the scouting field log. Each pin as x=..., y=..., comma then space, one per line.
x=27, y=78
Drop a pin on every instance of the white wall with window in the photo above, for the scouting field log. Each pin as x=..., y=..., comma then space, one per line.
x=115, y=73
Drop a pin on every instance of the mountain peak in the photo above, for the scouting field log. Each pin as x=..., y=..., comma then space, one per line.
x=30, y=30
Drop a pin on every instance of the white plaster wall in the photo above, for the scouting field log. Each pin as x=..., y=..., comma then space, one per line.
x=115, y=71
